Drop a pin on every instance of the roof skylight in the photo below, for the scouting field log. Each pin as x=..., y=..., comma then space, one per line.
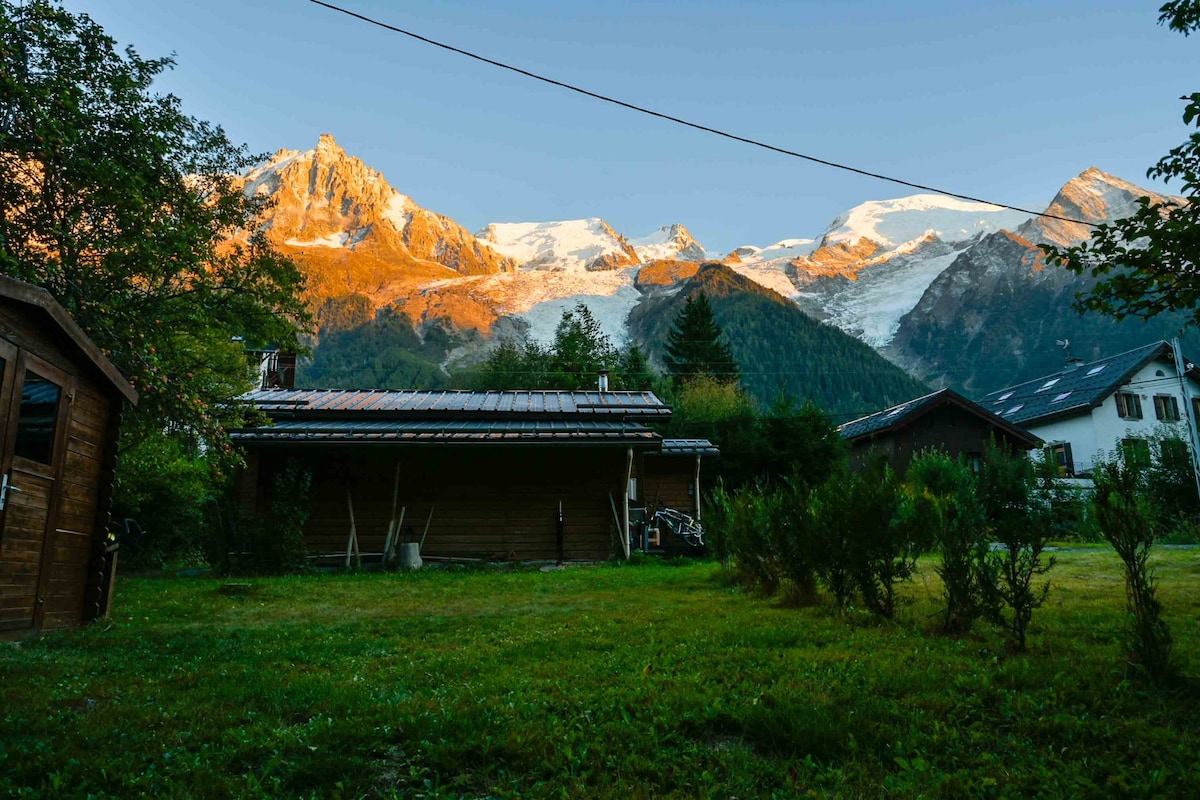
x=1095, y=370
x=1004, y=397
x=896, y=410
x=1048, y=384
x=1061, y=397
x=1015, y=408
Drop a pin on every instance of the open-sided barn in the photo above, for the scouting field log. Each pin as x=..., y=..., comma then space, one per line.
x=60, y=406
x=512, y=475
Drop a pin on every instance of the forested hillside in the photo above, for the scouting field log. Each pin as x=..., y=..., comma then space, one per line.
x=779, y=348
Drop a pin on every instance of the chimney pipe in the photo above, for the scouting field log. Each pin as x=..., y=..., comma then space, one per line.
x=602, y=381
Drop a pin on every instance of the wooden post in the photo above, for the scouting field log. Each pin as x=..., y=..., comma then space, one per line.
x=392, y=529
x=696, y=488
x=352, y=541
x=426, y=531
x=625, y=505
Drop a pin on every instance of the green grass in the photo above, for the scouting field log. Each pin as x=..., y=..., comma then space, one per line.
x=624, y=682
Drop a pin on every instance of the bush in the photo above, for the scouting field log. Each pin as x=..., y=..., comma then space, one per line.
x=164, y=484
x=1129, y=521
x=959, y=533
x=1020, y=528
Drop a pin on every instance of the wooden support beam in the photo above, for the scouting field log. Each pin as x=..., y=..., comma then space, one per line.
x=352, y=540
x=625, y=505
x=696, y=486
x=392, y=529
x=425, y=532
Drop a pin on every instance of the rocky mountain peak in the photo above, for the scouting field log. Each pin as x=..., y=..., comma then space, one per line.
x=1091, y=196
x=352, y=231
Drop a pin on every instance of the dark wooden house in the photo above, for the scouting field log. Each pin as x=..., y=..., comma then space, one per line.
x=513, y=475
x=943, y=420
x=60, y=405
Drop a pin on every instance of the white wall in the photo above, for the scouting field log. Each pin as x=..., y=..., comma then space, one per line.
x=1101, y=432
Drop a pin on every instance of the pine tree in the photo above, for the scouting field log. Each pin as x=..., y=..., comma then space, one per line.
x=697, y=346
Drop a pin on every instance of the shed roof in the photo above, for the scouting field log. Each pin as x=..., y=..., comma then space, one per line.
x=393, y=405
x=461, y=431
x=898, y=416
x=39, y=298
x=1074, y=390
x=688, y=447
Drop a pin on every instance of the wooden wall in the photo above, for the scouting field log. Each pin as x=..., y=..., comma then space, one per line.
x=488, y=501
x=666, y=482
x=51, y=542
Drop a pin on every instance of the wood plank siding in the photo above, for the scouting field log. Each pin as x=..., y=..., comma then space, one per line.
x=494, y=503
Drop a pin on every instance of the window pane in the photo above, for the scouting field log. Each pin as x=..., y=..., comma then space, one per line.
x=39, y=413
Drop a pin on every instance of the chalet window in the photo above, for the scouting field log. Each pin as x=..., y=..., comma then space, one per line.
x=1136, y=452
x=38, y=419
x=1129, y=405
x=1060, y=455
x=974, y=462
x=1166, y=408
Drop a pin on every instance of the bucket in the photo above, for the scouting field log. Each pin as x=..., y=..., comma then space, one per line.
x=410, y=555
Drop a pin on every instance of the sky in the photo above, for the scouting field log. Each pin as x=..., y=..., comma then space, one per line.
x=1005, y=101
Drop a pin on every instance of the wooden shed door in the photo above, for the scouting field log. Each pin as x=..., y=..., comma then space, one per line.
x=33, y=416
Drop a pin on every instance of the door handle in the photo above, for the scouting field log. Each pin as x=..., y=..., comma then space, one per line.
x=6, y=487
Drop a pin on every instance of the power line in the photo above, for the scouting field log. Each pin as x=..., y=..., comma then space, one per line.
x=684, y=122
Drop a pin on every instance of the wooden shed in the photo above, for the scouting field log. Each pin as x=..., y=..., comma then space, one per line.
x=943, y=420
x=513, y=475
x=60, y=407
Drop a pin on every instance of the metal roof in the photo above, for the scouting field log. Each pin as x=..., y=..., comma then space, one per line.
x=343, y=403
x=442, y=432
x=1074, y=390
x=688, y=447
x=900, y=415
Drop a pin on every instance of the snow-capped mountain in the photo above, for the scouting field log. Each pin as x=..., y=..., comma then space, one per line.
x=994, y=313
x=955, y=291
x=353, y=232
x=872, y=264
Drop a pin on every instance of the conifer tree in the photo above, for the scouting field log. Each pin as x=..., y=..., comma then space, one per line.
x=697, y=346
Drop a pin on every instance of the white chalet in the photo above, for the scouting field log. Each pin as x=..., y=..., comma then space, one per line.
x=1088, y=410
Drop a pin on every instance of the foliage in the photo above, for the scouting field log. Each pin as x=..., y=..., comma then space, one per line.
x=959, y=533
x=653, y=682
x=579, y=352
x=120, y=205
x=1128, y=520
x=164, y=485
x=787, y=442
x=780, y=350
x=1020, y=529
x=1147, y=262
x=277, y=539
x=383, y=351
x=696, y=346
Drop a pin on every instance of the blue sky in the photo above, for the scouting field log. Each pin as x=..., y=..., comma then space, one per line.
x=999, y=100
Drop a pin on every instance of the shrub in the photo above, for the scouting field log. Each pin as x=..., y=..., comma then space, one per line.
x=959, y=533
x=793, y=534
x=1127, y=517
x=1020, y=528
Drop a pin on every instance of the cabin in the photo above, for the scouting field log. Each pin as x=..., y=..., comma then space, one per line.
x=943, y=420
x=488, y=476
x=1122, y=402
x=60, y=407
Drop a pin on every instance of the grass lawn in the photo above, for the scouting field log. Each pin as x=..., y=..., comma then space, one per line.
x=622, y=682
